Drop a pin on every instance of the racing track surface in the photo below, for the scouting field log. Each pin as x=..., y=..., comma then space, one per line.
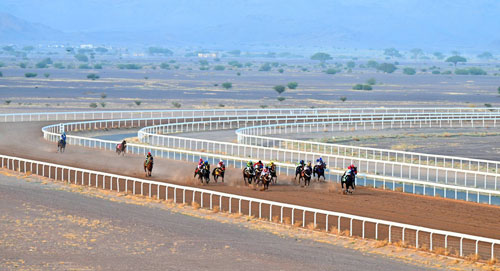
x=98, y=234
x=25, y=140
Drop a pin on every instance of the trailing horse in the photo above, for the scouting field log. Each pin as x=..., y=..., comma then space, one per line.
x=298, y=171
x=350, y=181
x=61, y=146
x=248, y=175
x=305, y=176
x=319, y=171
x=120, y=149
x=203, y=174
x=272, y=172
x=218, y=172
x=148, y=166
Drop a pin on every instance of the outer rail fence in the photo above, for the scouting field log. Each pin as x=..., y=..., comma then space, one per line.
x=385, y=182
x=329, y=221
x=406, y=169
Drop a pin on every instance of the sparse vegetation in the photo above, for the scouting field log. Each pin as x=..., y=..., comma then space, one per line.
x=392, y=52
x=44, y=63
x=58, y=66
x=219, y=68
x=263, y=106
x=280, y=70
x=485, y=56
x=436, y=72
x=23, y=65
x=438, y=55
x=138, y=103
x=159, y=51
x=265, y=67
x=176, y=105
x=372, y=64
x=280, y=99
x=470, y=71
x=103, y=104
x=165, y=66
x=293, y=85
x=84, y=66
x=93, y=105
x=93, y=76
x=279, y=88
x=222, y=105
x=331, y=71
x=343, y=99
x=7, y=102
x=409, y=71
x=351, y=64
x=498, y=90
x=1, y=74
x=227, y=85
x=98, y=66
x=30, y=74
x=46, y=75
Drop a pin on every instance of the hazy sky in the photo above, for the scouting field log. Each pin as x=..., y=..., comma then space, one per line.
x=410, y=23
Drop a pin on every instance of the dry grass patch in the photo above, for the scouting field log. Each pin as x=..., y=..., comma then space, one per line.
x=442, y=251
x=381, y=243
x=311, y=226
x=401, y=244
x=215, y=209
x=287, y=221
x=276, y=219
x=492, y=261
x=472, y=258
x=399, y=189
x=195, y=205
x=334, y=230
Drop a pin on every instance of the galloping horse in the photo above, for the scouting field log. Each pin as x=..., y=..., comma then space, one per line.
x=272, y=172
x=349, y=181
x=148, y=166
x=319, y=171
x=265, y=180
x=61, y=146
x=248, y=175
x=218, y=172
x=298, y=171
x=305, y=175
x=120, y=149
x=203, y=174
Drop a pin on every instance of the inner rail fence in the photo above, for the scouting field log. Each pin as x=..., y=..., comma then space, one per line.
x=282, y=213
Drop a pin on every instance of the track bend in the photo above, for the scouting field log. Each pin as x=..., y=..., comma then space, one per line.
x=391, y=169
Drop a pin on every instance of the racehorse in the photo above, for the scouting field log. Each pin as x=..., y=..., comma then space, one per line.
x=350, y=181
x=272, y=172
x=298, y=171
x=120, y=149
x=248, y=175
x=203, y=174
x=265, y=180
x=218, y=172
x=319, y=171
x=148, y=166
x=305, y=175
x=61, y=146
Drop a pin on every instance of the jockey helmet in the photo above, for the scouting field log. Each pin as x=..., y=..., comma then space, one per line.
x=220, y=161
x=206, y=163
x=271, y=163
x=309, y=163
x=302, y=161
x=249, y=163
x=321, y=159
x=317, y=160
x=260, y=162
x=201, y=159
x=149, y=153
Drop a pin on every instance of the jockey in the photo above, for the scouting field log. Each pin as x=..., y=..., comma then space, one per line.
x=63, y=137
x=308, y=166
x=124, y=144
x=353, y=169
x=249, y=164
x=200, y=163
x=258, y=165
x=221, y=165
x=149, y=156
x=301, y=163
x=206, y=165
x=271, y=164
x=265, y=172
x=320, y=163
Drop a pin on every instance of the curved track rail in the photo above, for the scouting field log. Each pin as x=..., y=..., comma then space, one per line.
x=448, y=176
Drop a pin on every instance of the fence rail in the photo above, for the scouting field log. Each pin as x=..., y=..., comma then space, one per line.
x=462, y=244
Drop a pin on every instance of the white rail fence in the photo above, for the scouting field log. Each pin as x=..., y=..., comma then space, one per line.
x=283, y=213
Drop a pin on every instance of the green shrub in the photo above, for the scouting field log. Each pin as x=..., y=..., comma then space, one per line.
x=387, y=67
x=44, y=63
x=58, y=65
x=98, y=66
x=235, y=63
x=280, y=99
x=84, y=66
x=351, y=64
x=371, y=81
x=204, y=68
x=281, y=70
x=176, y=104
x=409, y=71
x=279, y=88
x=1, y=74
x=227, y=85
x=331, y=71
x=23, y=65
x=93, y=105
x=93, y=76
x=165, y=66
x=372, y=64
x=476, y=71
x=104, y=95
x=293, y=85
x=436, y=72
x=46, y=75
x=362, y=87
x=263, y=106
x=343, y=99
x=238, y=73
x=129, y=66
x=103, y=104
x=219, y=68
x=498, y=90
x=265, y=67
x=138, y=103
x=30, y=74
x=446, y=72
x=82, y=57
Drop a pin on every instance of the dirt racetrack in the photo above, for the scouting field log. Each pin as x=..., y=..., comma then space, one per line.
x=25, y=140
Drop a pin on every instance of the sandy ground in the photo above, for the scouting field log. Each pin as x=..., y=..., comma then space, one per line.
x=51, y=226
x=437, y=213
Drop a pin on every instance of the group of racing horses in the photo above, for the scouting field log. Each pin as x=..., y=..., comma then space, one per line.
x=257, y=173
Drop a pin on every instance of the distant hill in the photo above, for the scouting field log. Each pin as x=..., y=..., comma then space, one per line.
x=13, y=29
